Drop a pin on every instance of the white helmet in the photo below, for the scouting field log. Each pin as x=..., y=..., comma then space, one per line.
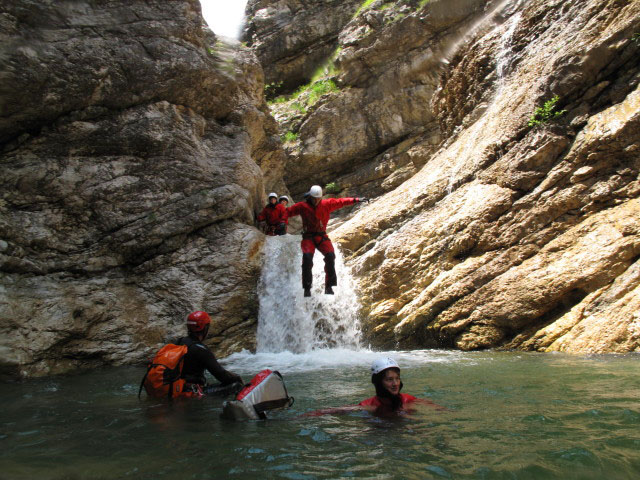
x=316, y=191
x=382, y=364
x=283, y=197
x=274, y=195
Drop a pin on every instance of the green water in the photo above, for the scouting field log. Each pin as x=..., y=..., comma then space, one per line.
x=511, y=416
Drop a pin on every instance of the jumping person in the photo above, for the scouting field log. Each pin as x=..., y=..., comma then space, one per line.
x=315, y=212
x=199, y=357
x=272, y=215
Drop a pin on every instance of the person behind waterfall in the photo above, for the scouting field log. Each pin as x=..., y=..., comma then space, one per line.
x=272, y=215
x=315, y=212
x=284, y=218
x=199, y=357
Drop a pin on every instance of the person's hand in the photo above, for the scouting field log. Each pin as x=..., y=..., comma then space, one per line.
x=362, y=200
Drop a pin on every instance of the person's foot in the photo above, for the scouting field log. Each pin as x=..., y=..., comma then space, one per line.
x=328, y=290
x=307, y=292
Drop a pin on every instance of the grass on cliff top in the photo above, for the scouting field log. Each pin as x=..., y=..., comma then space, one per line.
x=366, y=4
x=308, y=94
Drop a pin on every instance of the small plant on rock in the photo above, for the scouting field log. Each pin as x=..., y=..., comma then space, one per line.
x=332, y=188
x=636, y=38
x=289, y=137
x=320, y=88
x=546, y=113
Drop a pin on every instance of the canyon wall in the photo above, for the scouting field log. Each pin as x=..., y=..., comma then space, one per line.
x=501, y=141
x=133, y=151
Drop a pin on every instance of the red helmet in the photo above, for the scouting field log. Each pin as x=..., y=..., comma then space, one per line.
x=197, y=321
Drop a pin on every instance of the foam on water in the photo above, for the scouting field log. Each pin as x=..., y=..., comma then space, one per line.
x=336, y=358
x=298, y=334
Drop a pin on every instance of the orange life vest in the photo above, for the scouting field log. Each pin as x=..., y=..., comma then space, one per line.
x=162, y=379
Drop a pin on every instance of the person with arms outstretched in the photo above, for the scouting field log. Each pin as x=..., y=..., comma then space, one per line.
x=315, y=212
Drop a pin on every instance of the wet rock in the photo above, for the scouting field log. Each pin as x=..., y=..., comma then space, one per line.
x=365, y=133
x=513, y=236
x=132, y=150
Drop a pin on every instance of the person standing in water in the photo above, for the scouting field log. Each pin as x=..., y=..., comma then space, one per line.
x=385, y=376
x=199, y=357
x=315, y=212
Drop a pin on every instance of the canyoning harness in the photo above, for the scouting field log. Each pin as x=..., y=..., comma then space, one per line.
x=162, y=379
x=314, y=236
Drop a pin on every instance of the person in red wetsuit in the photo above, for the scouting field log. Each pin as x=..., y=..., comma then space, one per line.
x=315, y=212
x=385, y=376
x=272, y=216
x=284, y=218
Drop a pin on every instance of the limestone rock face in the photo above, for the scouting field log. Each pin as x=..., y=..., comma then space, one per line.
x=293, y=38
x=376, y=129
x=132, y=147
x=487, y=232
x=515, y=236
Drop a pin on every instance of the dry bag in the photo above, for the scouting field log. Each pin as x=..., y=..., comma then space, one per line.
x=266, y=391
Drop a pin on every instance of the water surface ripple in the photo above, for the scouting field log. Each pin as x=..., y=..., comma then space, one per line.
x=511, y=416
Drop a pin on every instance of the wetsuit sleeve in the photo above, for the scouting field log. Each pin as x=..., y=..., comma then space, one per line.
x=263, y=215
x=337, y=203
x=293, y=210
x=208, y=360
x=283, y=213
x=370, y=402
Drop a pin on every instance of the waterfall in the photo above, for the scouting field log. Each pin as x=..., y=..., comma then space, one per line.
x=224, y=17
x=505, y=55
x=298, y=334
x=504, y=7
x=290, y=322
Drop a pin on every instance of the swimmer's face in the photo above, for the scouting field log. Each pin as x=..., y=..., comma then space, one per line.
x=391, y=381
